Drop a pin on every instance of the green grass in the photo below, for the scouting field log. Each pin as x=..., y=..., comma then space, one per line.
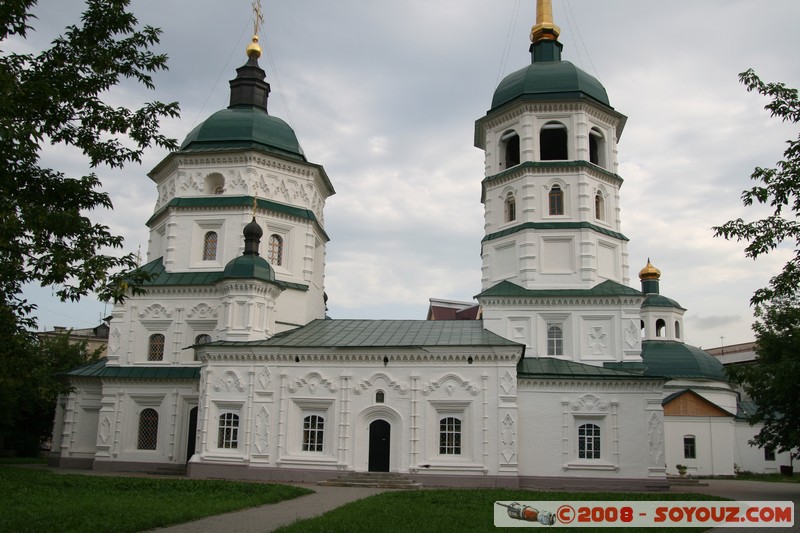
x=22, y=460
x=461, y=511
x=775, y=478
x=39, y=500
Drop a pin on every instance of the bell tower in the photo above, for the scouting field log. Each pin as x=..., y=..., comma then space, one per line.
x=551, y=195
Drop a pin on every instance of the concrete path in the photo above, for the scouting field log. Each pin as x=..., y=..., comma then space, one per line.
x=750, y=491
x=272, y=516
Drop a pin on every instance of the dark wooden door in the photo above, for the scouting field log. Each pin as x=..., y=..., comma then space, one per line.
x=192, y=437
x=379, y=444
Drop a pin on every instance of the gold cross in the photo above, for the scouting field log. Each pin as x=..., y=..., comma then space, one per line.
x=258, y=16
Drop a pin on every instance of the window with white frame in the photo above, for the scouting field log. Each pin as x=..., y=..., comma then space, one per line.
x=510, y=149
x=155, y=347
x=450, y=436
x=228, y=431
x=210, y=246
x=589, y=441
x=689, y=447
x=275, y=253
x=555, y=339
x=510, y=207
x=556, y=200
x=148, y=430
x=313, y=433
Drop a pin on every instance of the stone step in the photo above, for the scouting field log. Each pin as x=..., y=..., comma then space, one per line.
x=384, y=480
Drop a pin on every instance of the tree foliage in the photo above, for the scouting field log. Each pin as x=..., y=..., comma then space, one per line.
x=29, y=386
x=771, y=382
x=779, y=188
x=61, y=97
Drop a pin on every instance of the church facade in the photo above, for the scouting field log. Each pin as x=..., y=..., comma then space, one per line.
x=228, y=363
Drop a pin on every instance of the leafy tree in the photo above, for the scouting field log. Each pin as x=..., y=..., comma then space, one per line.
x=772, y=380
x=780, y=189
x=57, y=98
x=30, y=385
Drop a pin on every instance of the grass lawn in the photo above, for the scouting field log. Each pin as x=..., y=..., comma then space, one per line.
x=458, y=510
x=39, y=500
x=775, y=478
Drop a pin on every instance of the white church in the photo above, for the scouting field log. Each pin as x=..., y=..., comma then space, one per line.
x=564, y=376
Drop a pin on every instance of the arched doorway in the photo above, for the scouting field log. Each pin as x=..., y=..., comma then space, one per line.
x=380, y=432
x=192, y=437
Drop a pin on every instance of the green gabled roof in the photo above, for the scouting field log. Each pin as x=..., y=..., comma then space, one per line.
x=550, y=367
x=160, y=277
x=219, y=201
x=382, y=333
x=100, y=369
x=606, y=288
x=657, y=300
x=554, y=226
x=673, y=359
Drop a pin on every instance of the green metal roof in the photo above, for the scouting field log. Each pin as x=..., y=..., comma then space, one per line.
x=246, y=127
x=381, y=333
x=550, y=367
x=675, y=359
x=657, y=300
x=554, y=226
x=249, y=267
x=606, y=288
x=160, y=277
x=100, y=369
x=580, y=163
x=222, y=201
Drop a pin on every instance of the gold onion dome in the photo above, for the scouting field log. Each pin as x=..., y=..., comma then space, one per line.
x=254, y=48
x=649, y=272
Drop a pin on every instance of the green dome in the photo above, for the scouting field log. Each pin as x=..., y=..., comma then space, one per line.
x=549, y=81
x=657, y=300
x=675, y=360
x=246, y=127
x=249, y=267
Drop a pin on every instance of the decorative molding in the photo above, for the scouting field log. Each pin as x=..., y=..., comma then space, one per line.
x=368, y=383
x=508, y=438
x=632, y=334
x=156, y=312
x=228, y=381
x=264, y=377
x=507, y=382
x=450, y=388
x=312, y=381
x=261, y=437
x=655, y=438
x=202, y=311
x=589, y=403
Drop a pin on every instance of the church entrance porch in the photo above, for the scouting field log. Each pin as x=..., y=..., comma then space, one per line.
x=379, y=445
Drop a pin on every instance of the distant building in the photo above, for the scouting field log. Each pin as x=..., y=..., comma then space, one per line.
x=96, y=337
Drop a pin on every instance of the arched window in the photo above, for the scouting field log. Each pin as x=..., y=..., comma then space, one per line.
x=597, y=148
x=215, y=184
x=553, y=142
x=555, y=339
x=203, y=338
x=589, y=441
x=228, y=434
x=509, y=148
x=677, y=330
x=689, y=447
x=450, y=436
x=313, y=433
x=599, y=206
x=556, y=200
x=510, y=207
x=210, y=246
x=148, y=430
x=661, y=327
x=155, y=347
x=380, y=396
x=275, y=255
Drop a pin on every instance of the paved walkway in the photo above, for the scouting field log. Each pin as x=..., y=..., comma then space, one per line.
x=272, y=516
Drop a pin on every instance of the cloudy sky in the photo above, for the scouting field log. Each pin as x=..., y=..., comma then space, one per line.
x=385, y=94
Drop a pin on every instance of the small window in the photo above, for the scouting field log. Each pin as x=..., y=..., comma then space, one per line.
x=509, y=147
x=553, y=142
x=769, y=454
x=661, y=327
x=689, y=447
x=210, y=246
x=556, y=198
x=450, y=436
x=275, y=256
x=313, y=433
x=203, y=338
x=380, y=396
x=555, y=339
x=148, y=430
x=228, y=434
x=599, y=206
x=510, y=207
x=677, y=330
x=589, y=441
x=215, y=184
x=155, y=348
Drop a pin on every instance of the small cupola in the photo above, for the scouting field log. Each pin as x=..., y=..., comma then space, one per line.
x=250, y=265
x=649, y=276
x=249, y=87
